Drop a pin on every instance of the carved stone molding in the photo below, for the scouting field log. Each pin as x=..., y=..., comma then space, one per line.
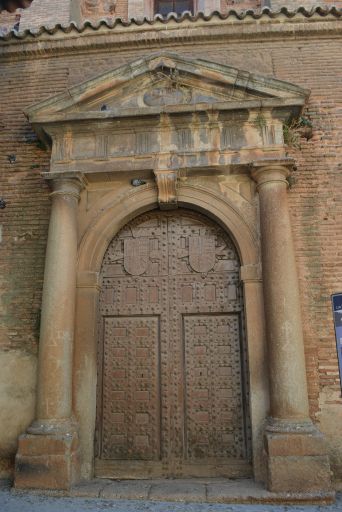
x=65, y=183
x=167, y=188
x=251, y=273
x=88, y=279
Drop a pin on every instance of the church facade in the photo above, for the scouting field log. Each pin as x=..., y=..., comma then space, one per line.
x=170, y=243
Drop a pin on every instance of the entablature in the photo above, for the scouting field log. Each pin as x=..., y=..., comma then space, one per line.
x=167, y=113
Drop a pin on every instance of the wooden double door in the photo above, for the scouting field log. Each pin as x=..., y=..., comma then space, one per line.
x=172, y=380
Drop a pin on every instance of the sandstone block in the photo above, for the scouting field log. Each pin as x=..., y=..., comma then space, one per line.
x=298, y=473
x=46, y=462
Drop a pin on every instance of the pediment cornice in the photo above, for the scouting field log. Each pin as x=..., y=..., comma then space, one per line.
x=166, y=112
x=182, y=84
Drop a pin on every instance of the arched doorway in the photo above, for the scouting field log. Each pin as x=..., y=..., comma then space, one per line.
x=172, y=379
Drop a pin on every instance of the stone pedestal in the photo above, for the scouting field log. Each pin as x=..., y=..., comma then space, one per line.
x=296, y=456
x=297, y=459
x=47, y=461
x=48, y=453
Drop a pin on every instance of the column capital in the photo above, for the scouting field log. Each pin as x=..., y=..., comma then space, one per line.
x=88, y=279
x=69, y=183
x=251, y=273
x=271, y=171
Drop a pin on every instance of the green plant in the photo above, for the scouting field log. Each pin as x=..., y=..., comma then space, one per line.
x=304, y=121
x=296, y=129
x=260, y=121
x=291, y=136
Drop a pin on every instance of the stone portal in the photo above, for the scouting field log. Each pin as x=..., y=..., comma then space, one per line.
x=172, y=387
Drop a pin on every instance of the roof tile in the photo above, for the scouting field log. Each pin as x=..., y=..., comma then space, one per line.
x=115, y=22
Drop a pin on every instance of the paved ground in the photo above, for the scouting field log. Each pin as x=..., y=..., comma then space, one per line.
x=26, y=502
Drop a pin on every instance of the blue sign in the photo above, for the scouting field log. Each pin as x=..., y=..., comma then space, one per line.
x=337, y=310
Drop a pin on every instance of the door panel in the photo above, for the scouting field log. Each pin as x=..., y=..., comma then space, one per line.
x=131, y=385
x=172, y=386
x=213, y=406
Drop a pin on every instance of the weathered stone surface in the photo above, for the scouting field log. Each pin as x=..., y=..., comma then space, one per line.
x=40, y=445
x=299, y=473
x=239, y=490
x=46, y=462
x=178, y=491
x=90, y=488
x=16, y=395
x=167, y=188
x=295, y=444
x=127, y=490
x=297, y=462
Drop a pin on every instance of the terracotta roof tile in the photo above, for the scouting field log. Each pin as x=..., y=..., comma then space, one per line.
x=119, y=22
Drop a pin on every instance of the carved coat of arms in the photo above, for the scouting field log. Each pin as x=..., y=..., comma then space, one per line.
x=202, y=253
x=136, y=255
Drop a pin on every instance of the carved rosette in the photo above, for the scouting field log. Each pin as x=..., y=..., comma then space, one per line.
x=167, y=188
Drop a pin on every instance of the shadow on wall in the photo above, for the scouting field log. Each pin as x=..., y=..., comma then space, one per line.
x=13, y=5
x=10, y=18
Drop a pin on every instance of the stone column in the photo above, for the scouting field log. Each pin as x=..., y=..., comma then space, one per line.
x=251, y=277
x=85, y=367
x=296, y=454
x=47, y=453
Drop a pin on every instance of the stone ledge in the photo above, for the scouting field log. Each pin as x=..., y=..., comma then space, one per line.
x=199, y=490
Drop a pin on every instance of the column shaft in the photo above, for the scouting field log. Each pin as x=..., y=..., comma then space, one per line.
x=47, y=456
x=289, y=398
x=295, y=452
x=58, y=306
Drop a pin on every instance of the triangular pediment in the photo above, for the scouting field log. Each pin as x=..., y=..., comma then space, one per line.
x=164, y=81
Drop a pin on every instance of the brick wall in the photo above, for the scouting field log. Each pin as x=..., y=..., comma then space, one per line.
x=294, y=4
x=45, y=12
x=315, y=198
x=24, y=221
x=41, y=12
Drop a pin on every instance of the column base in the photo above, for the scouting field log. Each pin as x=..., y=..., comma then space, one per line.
x=47, y=460
x=297, y=459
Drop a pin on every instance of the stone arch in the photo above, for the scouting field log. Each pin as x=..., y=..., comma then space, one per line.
x=115, y=213
x=110, y=214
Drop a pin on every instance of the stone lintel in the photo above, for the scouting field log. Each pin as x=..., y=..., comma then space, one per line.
x=224, y=162
x=47, y=120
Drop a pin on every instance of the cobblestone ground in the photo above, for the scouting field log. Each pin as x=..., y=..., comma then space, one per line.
x=26, y=502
